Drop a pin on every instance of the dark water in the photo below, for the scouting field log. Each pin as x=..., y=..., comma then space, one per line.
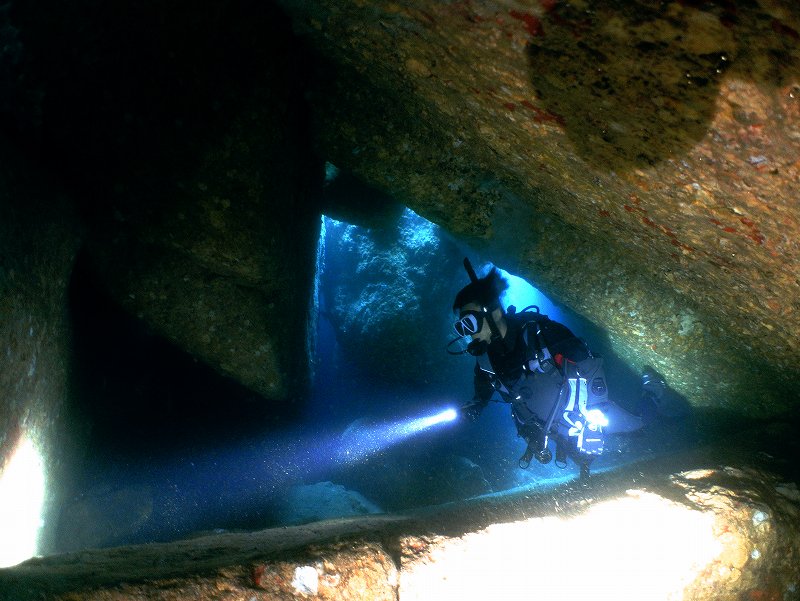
x=174, y=449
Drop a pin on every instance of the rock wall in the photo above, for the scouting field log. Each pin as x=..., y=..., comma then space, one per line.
x=636, y=161
x=39, y=239
x=391, y=317
x=221, y=259
x=182, y=134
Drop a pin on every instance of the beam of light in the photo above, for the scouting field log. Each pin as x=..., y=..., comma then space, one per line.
x=22, y=495
x=358, y=443
x=257, y=474
x=641, y=546
x=424, y=423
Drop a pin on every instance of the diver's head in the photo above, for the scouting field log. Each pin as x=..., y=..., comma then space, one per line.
x=483, y=291
x=480, y=314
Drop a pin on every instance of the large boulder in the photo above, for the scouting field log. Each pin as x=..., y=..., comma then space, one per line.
x=188, y=152
x=322, y=501
x=637, y=163
x=103, y=517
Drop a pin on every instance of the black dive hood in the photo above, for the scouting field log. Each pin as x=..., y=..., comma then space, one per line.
x=479, y=347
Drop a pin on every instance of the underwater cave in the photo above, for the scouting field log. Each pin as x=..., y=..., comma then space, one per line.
x=231, y=235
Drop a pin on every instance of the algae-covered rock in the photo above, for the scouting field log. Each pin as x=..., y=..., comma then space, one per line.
x=388, y=294
x=321, y=501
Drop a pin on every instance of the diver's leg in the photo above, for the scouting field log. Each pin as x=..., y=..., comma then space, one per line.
x=538, y=395
x=532, y=433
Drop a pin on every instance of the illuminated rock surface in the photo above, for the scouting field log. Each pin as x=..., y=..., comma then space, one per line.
x=39, y=238
x=709, y=531
x=380, y=296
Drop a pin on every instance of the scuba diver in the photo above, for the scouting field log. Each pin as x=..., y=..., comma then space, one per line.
x=555, y=386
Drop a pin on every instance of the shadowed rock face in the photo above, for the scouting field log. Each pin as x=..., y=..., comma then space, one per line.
x=636, y=160
x=181, y=134
x=181, y=177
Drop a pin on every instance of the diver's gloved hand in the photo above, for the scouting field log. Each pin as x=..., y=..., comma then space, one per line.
x=483, y=385
x=471, y=411
x=653, y=384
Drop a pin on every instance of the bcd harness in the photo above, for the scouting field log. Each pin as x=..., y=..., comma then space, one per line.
x=571, y=413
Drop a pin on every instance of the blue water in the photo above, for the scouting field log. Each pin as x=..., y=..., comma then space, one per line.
x=192, y=451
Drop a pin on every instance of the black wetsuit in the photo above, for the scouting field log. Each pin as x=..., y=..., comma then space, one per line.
x=510, y=356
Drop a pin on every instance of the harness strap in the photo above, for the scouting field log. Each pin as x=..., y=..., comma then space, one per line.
x=483, y=364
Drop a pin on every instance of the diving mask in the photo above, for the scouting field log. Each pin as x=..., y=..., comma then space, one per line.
x=470, y=322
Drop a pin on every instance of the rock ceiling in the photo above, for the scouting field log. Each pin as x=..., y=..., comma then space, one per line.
x=637, y=160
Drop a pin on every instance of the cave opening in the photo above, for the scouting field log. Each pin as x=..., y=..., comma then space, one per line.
x=171, y=448
x=382, y=334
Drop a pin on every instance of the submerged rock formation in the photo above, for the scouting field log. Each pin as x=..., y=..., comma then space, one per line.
x=321, y=501
x=39, y=435
x=637, y=161
x=180, y=137
x=681, y=527
x=391, y=316
x=187, y=151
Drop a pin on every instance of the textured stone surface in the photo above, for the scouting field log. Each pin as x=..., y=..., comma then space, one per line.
x=182, y=134
x=220, y=258
x=388, y=293
x=685, y=526
x=636, y=160
x=39, y=238
x=321, y=501
x=652, y=144
x=731, y=540
x=228, y=325
x=103, y=516
x=753, y=513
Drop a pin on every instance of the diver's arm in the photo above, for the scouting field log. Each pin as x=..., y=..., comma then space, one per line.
x=483, y=394
x=484, y=385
